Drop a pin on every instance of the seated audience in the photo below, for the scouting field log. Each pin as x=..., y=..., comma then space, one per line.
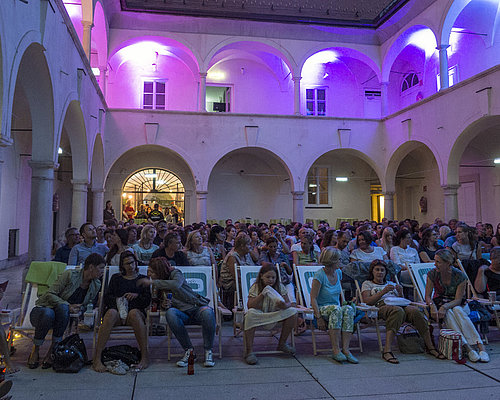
x=495, y=240
x=82, y=250
x=145, y=248
x=125, y=285
x=265, y=309
x=365, y=252
x=374, y=291
x=5, y=349
x=329, y=239
x=216, y=245
x=428, y=245
x=161, y=231
x=230, y=236
x=445, y=294
x=72, y=238
x=326, y=302
x=171, y=250
x=186, y=307
x=386, y=240
x=307, y=254
x=73, y=290
x=488, y=277
x=119, y=244
x=466, y=247
x=196, y=253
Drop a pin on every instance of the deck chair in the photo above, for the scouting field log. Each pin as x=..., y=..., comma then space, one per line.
x=202, y=280
x=247, y=276
x=304, y=275
x=418, y=274
x=38, y=279
x=118, y=332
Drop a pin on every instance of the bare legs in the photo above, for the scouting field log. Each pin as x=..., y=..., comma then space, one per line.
x=111, y=319
x=345, y=337
x=286, y=329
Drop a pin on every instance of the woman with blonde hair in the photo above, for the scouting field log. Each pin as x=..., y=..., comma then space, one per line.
x=196, y=253
x=145, y=248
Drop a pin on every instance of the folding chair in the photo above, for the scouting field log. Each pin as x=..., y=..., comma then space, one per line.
x=247, y=276
x=305, y=274
x=118, y=332
x=202, y=280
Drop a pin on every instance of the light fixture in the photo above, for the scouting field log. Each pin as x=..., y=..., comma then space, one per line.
x=216, y=75
x=130, y=196
x=341, y=179
x=312, y=185
x=96, y=71
x=496, y=160
x=124, y=195
x=60, y=150
x=160, y=181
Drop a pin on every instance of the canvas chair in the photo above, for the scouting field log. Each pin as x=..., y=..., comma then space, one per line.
x=118, y=332
x=38, y=279
x=202, y=280
x=304, y=275
x=247, y=275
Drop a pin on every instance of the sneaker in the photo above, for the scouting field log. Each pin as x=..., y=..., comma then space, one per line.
x=251, y=359
x=351, y=359
x=473, y=356
x=339, y=357
x=209, y=359
x=484, y=357
x=183, y=362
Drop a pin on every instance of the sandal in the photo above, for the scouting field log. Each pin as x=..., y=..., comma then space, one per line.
x=436, y=354
x=391, y=359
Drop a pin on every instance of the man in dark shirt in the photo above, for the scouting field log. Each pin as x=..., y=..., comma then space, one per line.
x=171, y=250
x=156, y=215
x=161, y=231
x=72, y=238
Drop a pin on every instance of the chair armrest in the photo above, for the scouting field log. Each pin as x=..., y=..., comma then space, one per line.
x=223, y=310
x=418, y=304
x=366, y=307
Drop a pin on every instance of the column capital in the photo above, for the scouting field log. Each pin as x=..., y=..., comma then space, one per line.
x=450, y=190
x=298, y=195
x=389, y=194
x=98, y=190
x=296, y=78
x=79, y=185
x=5, y=141
x=203, y=74
x=43, y=165
x=87, y=24
x=442, y=47
x=201, y=194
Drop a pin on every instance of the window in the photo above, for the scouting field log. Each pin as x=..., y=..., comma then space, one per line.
x=317, y=186
x=409, y=81
x=218, y=98
x=452, y=77
x=153, y=97
x=316, y=101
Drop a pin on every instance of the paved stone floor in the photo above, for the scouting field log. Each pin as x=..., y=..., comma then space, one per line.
x=275, y=377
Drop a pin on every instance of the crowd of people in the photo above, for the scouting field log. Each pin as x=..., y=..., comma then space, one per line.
x=272, y=299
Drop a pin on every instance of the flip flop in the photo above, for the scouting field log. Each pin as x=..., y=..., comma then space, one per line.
x=436, y=354
x=391, y=359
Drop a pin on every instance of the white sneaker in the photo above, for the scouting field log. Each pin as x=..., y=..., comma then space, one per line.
x=484, y=357
x=209, y=359
x=183, y=362
x=473, y=356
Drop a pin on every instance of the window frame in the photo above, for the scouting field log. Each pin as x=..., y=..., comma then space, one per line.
x=154, y=94
x=316, y=88
x=328, y=189
x=409, y=89
x=452, y=72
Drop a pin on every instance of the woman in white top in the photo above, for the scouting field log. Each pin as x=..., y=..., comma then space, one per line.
x=145, y=248
x=404, y=254
x=196, y=253
x=466, y=247
x=365, y=251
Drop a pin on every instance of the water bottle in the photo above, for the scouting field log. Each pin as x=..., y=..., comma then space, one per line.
x=88, y=316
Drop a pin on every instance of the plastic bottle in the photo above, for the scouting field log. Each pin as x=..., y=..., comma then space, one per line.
x=3, y=368
x=191, y=363
x=88, y=316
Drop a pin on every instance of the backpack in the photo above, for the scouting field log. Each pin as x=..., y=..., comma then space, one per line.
x=128, y=354
x=69, y=355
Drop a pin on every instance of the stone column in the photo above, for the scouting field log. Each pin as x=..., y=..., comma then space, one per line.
x=4, y=142
x=203, y=92
x=443, y=66
x=79, y=204
x=389, y=205
x=97, y=206
x=87, y=37
x=201, y=206
x=103, y=80
x=42, y=190
x=296, y=94
x=450, y=202
x=384, y=89
x=298, y=206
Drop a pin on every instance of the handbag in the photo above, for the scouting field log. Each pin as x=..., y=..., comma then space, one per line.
x=128, y=354
x=410, y=341
x=450, y=345
x=69, y=355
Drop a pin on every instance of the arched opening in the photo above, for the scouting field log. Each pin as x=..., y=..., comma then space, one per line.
x=475, y=166
x=249, y=77
x=342, y=185
x=418, y=189
x=150, y=186
x=249, y=183
x=151, y=174
x=340, y=82
x=411, y=65
x=153, y=73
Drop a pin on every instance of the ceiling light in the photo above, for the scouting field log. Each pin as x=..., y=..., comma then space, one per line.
x=496, y=160
x=341, y=179
x=60, y=151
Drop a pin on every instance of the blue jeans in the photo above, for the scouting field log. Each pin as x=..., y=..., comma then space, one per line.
x=46, y=318
x=203, y=316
